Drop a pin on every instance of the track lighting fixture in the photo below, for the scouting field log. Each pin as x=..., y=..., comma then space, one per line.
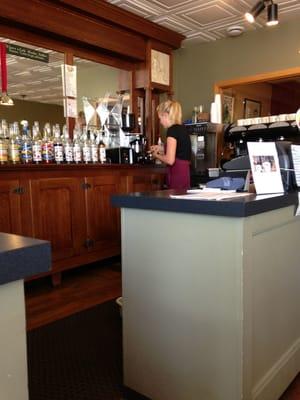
x=259, y=7
x=272, y=14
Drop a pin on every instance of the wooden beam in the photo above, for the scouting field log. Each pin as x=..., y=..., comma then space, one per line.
x=57, y=19
x=41, y=39
x=128, y=20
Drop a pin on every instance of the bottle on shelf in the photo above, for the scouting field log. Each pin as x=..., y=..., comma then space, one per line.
x=86, y=149
x=94, y=149
x=3, y=147
x=102, y=152
x=5, y=130
x=47, y=145
x=26, y=144
x=14, y=144
x=36, y=143
x=77, y=150
x=58, y=146
x=67, y=145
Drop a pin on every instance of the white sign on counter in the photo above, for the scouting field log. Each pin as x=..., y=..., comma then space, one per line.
x=265, y=167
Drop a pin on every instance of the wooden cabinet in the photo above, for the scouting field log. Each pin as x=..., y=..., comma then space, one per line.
x=103, y=220
x=10, y=206
x=147, y=183
x=59, y=215
x=71, y=207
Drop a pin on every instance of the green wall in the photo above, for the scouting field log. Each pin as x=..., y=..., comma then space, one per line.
x=197, y=67
x=33, y=111
x=94, y=82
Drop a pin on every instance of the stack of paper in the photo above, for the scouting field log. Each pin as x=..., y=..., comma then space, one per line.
x=295, y=149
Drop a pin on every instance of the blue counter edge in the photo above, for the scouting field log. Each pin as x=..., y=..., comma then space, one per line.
x=240, y=207
x=22, y=257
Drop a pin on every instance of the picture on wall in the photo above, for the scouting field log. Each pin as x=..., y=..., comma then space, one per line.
x=252, y=108
x=227, y=107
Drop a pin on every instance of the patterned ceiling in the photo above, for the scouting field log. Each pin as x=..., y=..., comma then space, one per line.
x=198, y=20
x=38, y=81
x=205, y=20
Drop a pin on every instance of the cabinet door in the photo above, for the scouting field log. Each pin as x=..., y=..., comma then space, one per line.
x=59, y=215
x=103, y=220
x=147, y=183
x=10, y=207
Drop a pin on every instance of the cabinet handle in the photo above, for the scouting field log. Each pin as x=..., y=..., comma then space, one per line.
x=88, y=243
x=86, y=186
x=18, y=190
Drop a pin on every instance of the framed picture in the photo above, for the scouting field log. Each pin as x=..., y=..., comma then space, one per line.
x=227, y=109
x=252, y=108
x=160, y=67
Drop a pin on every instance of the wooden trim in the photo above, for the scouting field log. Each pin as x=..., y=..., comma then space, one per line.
x=128, y=20
x=60, y=45
x=74, y=26
x=281, y=74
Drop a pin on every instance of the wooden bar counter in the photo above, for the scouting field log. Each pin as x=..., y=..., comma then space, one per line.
x=69, y=205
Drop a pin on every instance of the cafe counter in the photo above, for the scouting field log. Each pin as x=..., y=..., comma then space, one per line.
x=210, y=296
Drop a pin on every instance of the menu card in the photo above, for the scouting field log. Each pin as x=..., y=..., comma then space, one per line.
x=265, y=167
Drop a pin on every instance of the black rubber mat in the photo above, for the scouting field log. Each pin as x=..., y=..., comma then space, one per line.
x=78, y=357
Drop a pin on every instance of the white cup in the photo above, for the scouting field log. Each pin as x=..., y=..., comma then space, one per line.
x=213, y=172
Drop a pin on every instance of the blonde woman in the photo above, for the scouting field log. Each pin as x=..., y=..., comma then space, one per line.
x=178, y=146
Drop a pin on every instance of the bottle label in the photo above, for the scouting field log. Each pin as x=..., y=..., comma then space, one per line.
x=58, y=152
x=14, y=152
x=47, y=152
x=86, y=154
x=102, y=154
x=68, y=153
x=94, y=154
x=3, y=153
x=26, y=152
x=77, y=153
x=37, y=152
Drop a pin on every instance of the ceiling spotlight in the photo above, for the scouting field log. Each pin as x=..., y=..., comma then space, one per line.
x=259, y=7
x=272, y=14
x=255, y=11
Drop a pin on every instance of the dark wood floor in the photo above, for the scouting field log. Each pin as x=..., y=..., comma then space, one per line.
x=81, y=288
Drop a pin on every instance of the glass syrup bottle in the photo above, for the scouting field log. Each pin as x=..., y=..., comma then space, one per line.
x=68, y=146
x=26, y=144
x=36, y=143
x=47, y=145
x=58, y=146
x=14, y=144
x=3, y=147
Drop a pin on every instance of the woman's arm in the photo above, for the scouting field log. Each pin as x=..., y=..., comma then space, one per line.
x=169, y=157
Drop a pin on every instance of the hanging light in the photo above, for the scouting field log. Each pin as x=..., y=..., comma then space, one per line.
x=255, y=11
x=5, y=100
x=272, y=14
x=259, y=7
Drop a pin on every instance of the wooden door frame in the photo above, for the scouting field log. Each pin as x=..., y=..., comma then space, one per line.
x=258, y=78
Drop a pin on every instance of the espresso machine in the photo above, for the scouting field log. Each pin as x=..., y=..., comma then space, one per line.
x=204, y=142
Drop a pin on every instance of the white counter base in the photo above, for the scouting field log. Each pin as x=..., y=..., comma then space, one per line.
x=13, y=364
x=210, y=304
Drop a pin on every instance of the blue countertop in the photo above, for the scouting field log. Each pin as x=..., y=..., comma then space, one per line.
x=239, y=207
x=22, y=257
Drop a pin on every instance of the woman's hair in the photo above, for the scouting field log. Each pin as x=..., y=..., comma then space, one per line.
x=173, y=109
